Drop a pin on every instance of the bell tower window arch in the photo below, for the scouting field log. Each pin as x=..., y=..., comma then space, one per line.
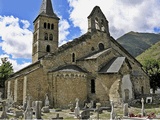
x=45, y=36
x=51, y=37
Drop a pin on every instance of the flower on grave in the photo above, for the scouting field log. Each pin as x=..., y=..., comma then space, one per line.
x=151, y=115
x=131, y=115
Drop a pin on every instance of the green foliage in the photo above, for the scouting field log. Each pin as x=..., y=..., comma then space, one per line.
x=6, y=69
x=152, y=68
x=136, y=43
x=152, y=52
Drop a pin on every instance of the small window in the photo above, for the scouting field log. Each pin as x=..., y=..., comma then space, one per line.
x=92, y=49
x=50, y=37
x=73, y=57
x=52, y=26
x=45, y=25
x=48, y=49
x=93, y=86
x=45, y=36
x=48, y=25
x=142, y=90
x=101, y=46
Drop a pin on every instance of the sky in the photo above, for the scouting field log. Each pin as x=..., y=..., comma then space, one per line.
x=17, y=16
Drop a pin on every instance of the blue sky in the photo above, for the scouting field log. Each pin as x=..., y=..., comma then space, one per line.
x=17, y=16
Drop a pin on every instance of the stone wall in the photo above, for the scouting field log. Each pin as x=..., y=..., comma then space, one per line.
x=67, y=86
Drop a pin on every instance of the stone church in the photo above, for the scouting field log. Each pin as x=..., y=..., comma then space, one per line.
x=92, y=67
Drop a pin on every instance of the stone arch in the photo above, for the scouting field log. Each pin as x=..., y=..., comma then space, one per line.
x=45, y=36
x=48, y=25
x=101, y=46
x=52, y=26
x=45, y=25
x=51, y=37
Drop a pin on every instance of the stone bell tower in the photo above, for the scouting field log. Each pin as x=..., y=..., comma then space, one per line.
x=45, y=35
x=97, y=21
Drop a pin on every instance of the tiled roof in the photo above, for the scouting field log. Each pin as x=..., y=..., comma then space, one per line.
x=47, y=10
x=113, y=66
x=96, y=55
x=68, y=68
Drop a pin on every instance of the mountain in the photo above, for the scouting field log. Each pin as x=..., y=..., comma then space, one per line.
x=136, y=43
x=152, y=52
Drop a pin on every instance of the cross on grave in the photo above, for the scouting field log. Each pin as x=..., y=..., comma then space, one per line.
x=39, y=89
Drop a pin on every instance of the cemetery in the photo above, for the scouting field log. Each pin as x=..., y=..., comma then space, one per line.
x=138, y=109
x=91, y=77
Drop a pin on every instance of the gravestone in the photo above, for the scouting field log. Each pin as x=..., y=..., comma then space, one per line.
x=4, y=112
x=38, y=106
x=10, y=100
x=25, y=104
x=28, y=112
x=97, y=108
x=45, y=109
x=18, y=113
x=85, y=114
x=112, y=114
x=33, y=106
x=0, y=96
x=125, y=109
x=71, y=107
x=77, y=109
x=142, y=110
x=46, y=100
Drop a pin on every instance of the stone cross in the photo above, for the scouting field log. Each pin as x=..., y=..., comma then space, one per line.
x=28, y=112
x=125, y=109
x=142, y=110
x=4, y=113
x=46, y=100
x=77, y=109
x=112, y=114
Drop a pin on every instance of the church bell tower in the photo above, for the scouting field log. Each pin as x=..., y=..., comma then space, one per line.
x=45, y=35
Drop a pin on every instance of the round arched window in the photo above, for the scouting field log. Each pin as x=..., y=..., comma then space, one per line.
x=101, y=46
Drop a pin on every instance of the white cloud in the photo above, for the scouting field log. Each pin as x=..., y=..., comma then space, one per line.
x=16, y=41
x=63, y=28
x=15, y=64
x=123, y=15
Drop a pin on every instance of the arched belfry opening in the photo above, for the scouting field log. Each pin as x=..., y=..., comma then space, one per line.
x=97, y=21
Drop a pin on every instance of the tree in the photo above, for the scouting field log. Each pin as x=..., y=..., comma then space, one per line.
x=152, y=68
x=6, y=69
